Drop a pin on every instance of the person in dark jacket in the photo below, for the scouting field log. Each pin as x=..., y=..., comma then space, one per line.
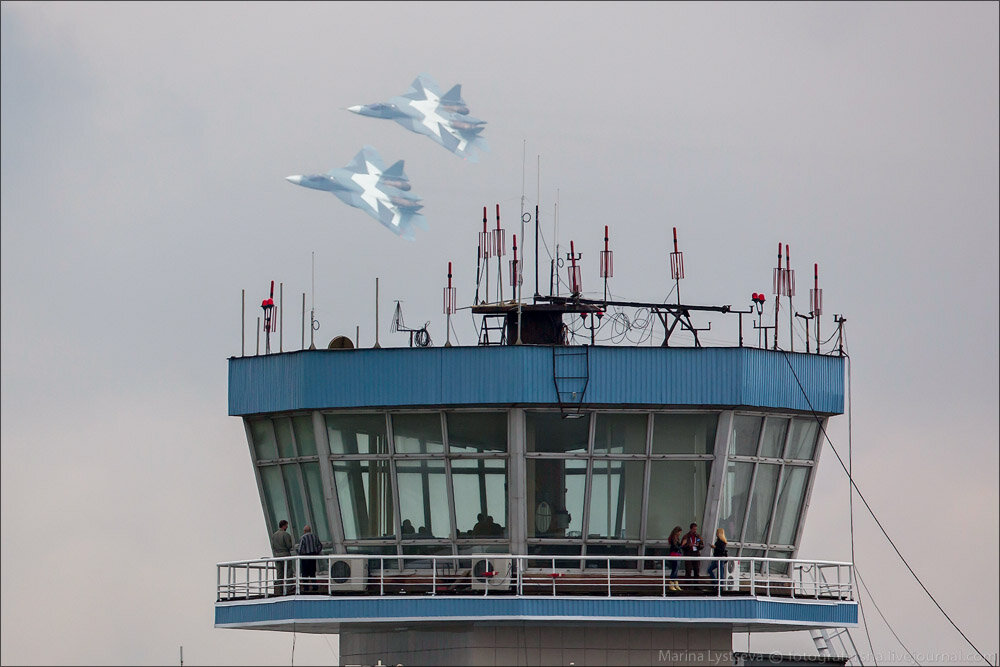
x=281, y=546
x=719, y=551
x=692, y=545
x=309, y=545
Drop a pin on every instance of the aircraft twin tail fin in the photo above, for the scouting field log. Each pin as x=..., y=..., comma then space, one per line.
x=453, y=96
x=395, y=172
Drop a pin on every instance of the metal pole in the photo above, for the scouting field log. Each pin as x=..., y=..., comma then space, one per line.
x=304, y=322
x=536, y=252
x=777, y=297
x=243, y=322
x=376, y=315
x=791, y=311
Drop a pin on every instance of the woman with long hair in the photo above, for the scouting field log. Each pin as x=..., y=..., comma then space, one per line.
x=718, y=551
x=674, y=549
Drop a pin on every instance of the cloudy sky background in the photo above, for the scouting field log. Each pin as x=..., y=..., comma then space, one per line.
x=144, y=149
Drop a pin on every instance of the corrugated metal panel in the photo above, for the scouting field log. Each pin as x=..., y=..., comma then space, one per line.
x=507, y=375
x=654, y=609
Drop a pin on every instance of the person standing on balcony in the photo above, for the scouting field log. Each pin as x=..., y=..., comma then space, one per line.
x=309, y=545
x=692, y=545
x=282, y=545
x=674, y=549
x=719, y=551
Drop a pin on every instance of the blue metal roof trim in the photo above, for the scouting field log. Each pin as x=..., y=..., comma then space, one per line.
x=361, y=610
x=507, y=375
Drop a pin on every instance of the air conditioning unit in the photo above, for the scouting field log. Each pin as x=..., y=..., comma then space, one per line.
x=491, y=574
x=349, y=574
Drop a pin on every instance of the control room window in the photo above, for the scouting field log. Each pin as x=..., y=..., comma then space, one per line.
x=684, y=434
x=357, y=434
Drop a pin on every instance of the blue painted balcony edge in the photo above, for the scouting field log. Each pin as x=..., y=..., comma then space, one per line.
x=523, y=375
x=756, y=611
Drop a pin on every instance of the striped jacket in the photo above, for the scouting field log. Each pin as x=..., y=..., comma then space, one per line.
x=310, y=545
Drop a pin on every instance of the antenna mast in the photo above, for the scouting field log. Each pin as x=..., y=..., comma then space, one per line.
x=499, y=247
x=607, y=265
x=449, y=306
x=267, y=305
x=777, y=295
x=816, y=302
x=790, y=291
x=677, y=267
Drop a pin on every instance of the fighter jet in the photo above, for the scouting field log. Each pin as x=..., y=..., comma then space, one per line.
x=366, y=184
x=443, y=118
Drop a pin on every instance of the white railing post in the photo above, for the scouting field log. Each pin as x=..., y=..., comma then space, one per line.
x=664, y=573
x=381, y=576
x=434, y=573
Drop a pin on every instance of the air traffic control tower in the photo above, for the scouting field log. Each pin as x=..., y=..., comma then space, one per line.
x=511, y=503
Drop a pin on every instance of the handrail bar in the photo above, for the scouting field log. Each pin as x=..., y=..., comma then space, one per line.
x=561, y=574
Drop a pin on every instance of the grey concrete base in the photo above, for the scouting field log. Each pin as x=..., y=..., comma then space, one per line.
x=534, y=644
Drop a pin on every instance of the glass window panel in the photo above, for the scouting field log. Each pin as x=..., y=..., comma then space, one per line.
x=357, y=434
x=477, y=432
x=549, y=432
x=556, y=550
x=274, y=495
x=790, y=500
x=480, y=489
x=314, y=485
x=751, y=553
x=761, y=503
x=294, y=489
x=555, y=497
x=746, y=432
x=677, y=491
x=773, y=441
x=423, y=499
x=684, y=434
x=417, y=433
x=778, y=568
x=620, y=433
x=305, y=439
x=263, y=439
x=802, y=440
x=616, y=499
x=283, y=429
x=733, y=504
x=365, y=493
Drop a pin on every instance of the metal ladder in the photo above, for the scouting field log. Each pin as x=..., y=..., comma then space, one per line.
x=571, y=375
x=824, y=640
x=835, y=642
x=488, y=326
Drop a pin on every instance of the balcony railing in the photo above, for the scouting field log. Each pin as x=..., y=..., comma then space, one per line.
x=534, y=575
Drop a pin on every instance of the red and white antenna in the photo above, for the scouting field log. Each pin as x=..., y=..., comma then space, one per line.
x=575, y=281
x=789, y=284
x=816, y=302
x=499, y=249
x=450, y=297
x=607, y=263
x=677, y=267
x=267, y=305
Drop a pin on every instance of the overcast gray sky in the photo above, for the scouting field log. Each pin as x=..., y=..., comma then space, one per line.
x=144, y=149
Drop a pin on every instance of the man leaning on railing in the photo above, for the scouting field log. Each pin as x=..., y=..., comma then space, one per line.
x=282, y=545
